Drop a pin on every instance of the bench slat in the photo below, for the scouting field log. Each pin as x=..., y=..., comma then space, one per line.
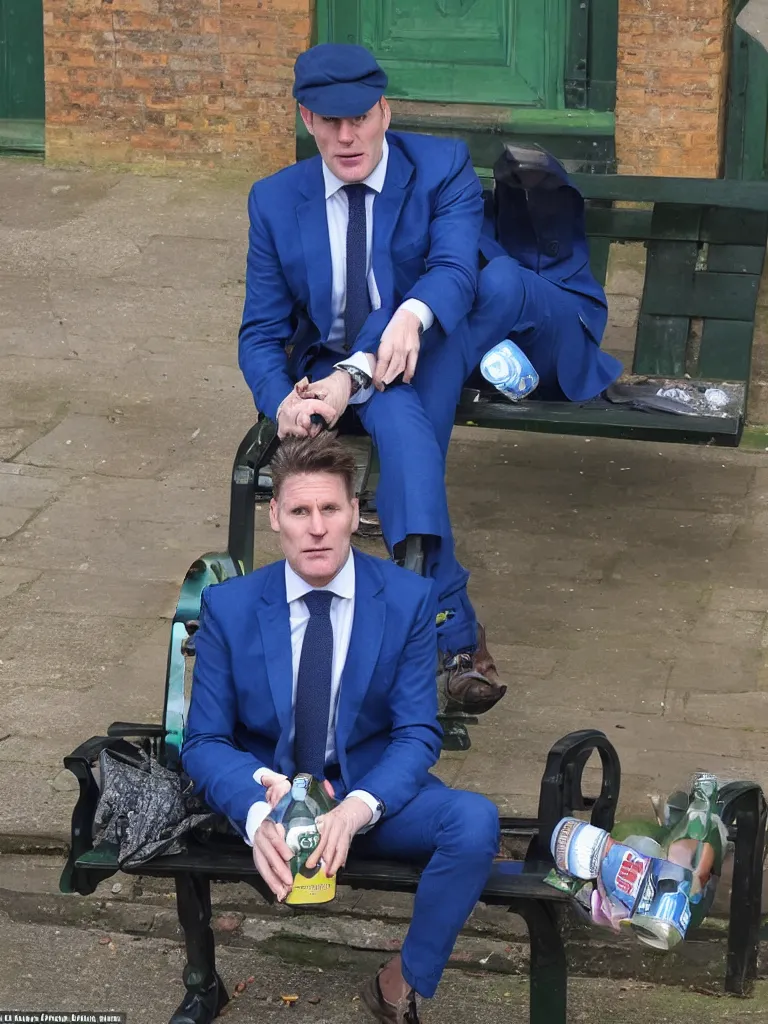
x=726, y=349
x=736, y=259
x=661, y=345
x=747, y=195
x=601, y=419
x=507, y=879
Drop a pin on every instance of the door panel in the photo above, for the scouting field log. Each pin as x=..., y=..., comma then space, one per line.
x=507, y=52
x=22, y=79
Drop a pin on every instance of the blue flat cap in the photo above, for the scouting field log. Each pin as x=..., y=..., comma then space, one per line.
x=338, y=80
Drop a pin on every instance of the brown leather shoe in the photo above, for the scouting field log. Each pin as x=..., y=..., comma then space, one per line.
x=389, y=1013
x=471, y=682
x=482, y=661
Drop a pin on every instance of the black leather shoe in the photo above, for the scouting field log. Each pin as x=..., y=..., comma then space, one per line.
x=202, y=1006
x=389, y=1013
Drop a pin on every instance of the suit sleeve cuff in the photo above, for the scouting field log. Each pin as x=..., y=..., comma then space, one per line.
x=257, y=813
x=360, y=361
x=372, y=802
x=422, y=311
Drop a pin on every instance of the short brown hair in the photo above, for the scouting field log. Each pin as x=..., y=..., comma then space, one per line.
x=321, y=454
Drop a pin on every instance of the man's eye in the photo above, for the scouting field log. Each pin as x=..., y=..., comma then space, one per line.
x=330, y=120
x=298, y=511
x=330, y=509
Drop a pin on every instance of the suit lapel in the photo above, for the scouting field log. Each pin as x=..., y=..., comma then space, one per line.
x=313, y=229
x=386, y=212
x=275, y=625
x=364, y=646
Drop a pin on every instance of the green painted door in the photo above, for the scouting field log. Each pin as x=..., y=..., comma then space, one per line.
x=500, y=52
x=22, y=78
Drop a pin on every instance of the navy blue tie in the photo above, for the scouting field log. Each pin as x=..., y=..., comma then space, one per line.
x=313, y=690
x=358, y=304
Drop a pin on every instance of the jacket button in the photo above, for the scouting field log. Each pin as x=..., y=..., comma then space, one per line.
x=552, y=248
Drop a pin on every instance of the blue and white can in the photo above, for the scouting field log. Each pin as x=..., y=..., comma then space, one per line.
x=510, y=370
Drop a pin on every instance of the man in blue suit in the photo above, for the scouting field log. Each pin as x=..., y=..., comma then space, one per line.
x=364, y=262
x=324, y=663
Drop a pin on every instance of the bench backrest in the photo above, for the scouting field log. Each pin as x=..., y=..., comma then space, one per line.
x=705, y=243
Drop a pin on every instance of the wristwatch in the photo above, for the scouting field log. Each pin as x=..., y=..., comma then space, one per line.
x=360, y=379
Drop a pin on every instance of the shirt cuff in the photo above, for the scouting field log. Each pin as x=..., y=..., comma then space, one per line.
x=422, y=311
x=371, y=802
x=359, y=361
x=265, y=776
x=256, y=815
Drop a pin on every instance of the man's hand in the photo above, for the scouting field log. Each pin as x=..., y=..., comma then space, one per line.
x=271, y=855
x=293, y=417
x=334, y=390
x=398, y=350
x=276, y=787
x=337, y=829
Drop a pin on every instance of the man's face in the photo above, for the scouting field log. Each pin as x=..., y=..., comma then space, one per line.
x=350, y=146
x=315, y=519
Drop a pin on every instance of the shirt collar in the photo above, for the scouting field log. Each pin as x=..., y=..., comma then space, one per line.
x=375, y=179
x=342, y=584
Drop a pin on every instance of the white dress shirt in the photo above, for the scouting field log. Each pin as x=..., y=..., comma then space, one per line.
x=342, y=586
x=337, y=213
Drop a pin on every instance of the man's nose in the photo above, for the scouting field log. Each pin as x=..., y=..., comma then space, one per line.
x=346, y=132
x=317, y=523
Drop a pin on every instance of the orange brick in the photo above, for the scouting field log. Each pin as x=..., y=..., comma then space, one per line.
x=671, y=85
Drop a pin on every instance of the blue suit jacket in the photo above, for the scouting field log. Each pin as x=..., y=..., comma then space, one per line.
x=544, y=230
x=240, y=715
x=427, y=221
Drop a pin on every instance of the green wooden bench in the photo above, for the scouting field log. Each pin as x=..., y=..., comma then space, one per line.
x=705, y=248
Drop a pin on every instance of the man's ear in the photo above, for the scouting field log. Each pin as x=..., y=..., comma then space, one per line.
x=355, y=515
x=387, y=111
x=273, y=522
x=308, y=118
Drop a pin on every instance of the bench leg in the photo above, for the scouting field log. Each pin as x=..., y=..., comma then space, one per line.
x=549, y=968
x=206, y=995
x=750, y=814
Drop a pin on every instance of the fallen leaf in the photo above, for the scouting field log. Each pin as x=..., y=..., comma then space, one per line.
x=289, y=1000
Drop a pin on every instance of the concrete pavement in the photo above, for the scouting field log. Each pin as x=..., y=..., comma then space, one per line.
x=623, y=585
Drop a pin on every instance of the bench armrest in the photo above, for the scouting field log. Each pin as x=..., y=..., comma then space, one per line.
x=744, y=813
x=80, y=763
x=561, y=786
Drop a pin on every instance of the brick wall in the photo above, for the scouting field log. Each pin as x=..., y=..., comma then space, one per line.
x=672, y=86
x=164, y=82
x=207, y=82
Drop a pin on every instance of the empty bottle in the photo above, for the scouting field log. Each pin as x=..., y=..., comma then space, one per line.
x=510, y=370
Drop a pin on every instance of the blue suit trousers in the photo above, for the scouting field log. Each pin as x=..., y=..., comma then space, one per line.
x=455, y=834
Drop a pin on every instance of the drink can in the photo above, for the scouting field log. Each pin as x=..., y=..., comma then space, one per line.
x=578, y=848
